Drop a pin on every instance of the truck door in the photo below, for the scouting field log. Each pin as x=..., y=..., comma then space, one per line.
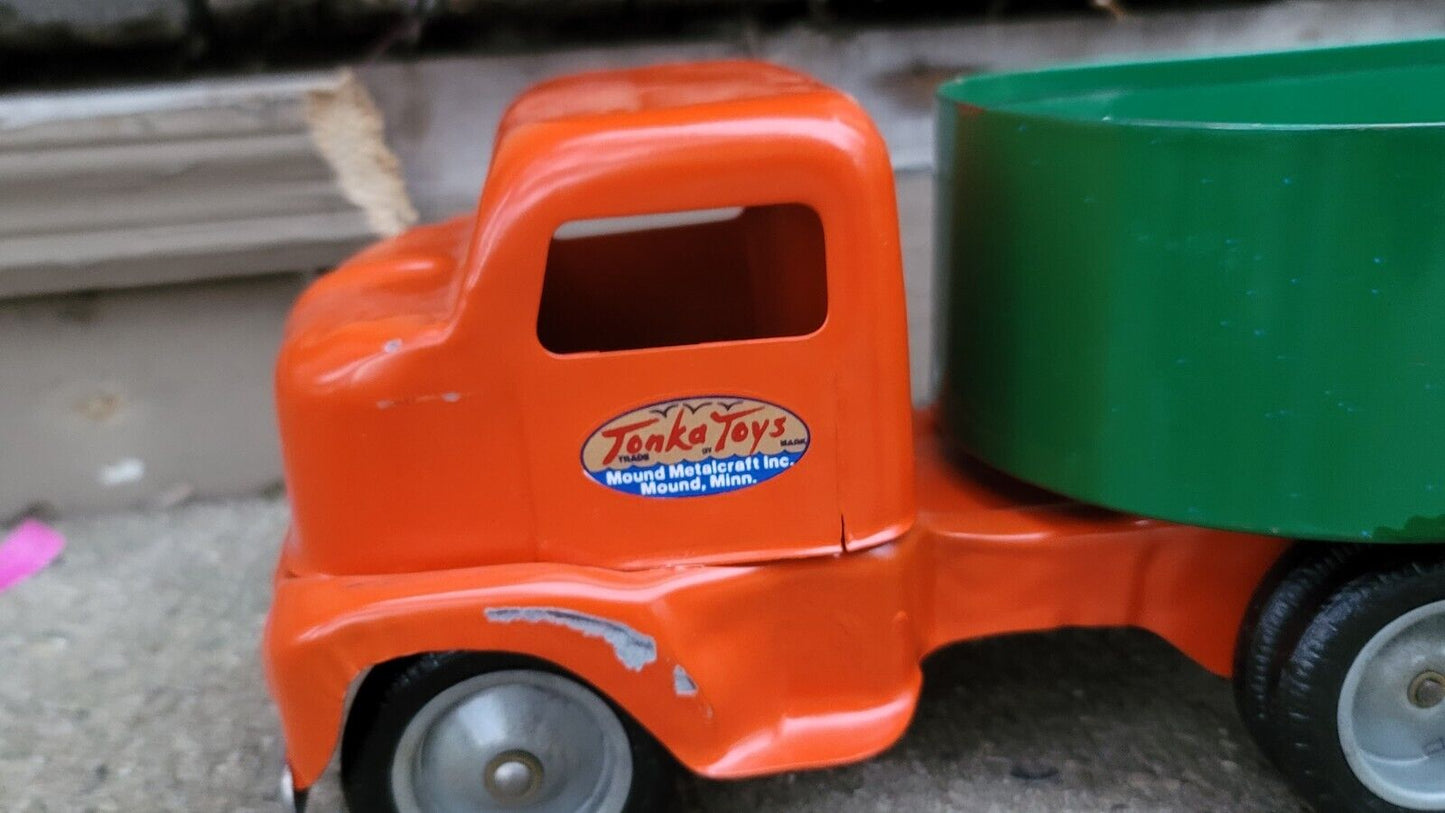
x=681, y=406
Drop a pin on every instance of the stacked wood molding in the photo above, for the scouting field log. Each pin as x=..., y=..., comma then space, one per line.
x=147, y=185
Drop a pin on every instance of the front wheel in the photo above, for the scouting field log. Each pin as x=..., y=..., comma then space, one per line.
x=469, y=733
x=1361, y=701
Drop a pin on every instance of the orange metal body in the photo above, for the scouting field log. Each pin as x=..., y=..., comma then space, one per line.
x=431, y=447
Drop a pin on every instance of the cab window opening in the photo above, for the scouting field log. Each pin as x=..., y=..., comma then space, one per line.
x=683, y=278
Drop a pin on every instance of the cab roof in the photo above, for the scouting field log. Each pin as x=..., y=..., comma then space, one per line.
x=715, y=87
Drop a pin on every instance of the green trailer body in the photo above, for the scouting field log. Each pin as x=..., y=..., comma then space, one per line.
x=1206, y=290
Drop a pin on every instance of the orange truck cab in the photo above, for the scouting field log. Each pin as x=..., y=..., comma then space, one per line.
x=436, y=392
x=634, y=440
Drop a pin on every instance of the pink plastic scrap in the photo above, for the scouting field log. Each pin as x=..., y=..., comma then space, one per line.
x=27, y=550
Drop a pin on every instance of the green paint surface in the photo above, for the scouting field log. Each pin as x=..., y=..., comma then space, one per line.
x=1211, y=291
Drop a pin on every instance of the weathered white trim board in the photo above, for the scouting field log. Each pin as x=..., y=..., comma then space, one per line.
x=105, y=189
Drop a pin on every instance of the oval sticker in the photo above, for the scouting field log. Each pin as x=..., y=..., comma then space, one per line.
x=692, y=447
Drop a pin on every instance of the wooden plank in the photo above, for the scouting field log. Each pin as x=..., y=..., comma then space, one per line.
x=190, y=181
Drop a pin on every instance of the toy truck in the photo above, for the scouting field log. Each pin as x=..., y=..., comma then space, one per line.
x=621, y=473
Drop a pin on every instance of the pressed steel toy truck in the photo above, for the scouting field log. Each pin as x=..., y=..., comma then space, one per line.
x=620, y=472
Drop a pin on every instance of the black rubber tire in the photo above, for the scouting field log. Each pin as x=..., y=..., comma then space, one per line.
x=373, y=732
x=1307, y=699
x=1283, y=606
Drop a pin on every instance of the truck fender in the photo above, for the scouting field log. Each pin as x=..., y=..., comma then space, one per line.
x=706, y=659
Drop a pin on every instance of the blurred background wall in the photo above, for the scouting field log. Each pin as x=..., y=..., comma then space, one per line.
x=172, y=172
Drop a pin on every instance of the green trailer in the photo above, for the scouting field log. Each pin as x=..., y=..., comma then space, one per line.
x=1206, y=290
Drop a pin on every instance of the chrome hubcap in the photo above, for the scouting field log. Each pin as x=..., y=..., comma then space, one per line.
x=1391, y=717
x=514, y=740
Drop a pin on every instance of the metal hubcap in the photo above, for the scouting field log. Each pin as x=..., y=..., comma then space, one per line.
x=1391, y=717
x=514, y=740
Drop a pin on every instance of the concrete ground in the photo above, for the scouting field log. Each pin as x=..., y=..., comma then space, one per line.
x=129, y=681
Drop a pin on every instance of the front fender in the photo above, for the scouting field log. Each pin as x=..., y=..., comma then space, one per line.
x=736, y=670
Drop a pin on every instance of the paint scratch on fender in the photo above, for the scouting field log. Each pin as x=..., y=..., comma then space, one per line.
x=634, y=649
x=682, y=682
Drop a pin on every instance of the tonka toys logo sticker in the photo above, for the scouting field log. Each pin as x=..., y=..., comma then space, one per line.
x=693, y=447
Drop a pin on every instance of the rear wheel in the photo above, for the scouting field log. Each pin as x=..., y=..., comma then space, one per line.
x=470, y=733
x=1361, y=701
x=1283, y=607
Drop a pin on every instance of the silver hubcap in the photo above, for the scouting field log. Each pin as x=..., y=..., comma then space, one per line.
x=515, y=740
x=1391, y=717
